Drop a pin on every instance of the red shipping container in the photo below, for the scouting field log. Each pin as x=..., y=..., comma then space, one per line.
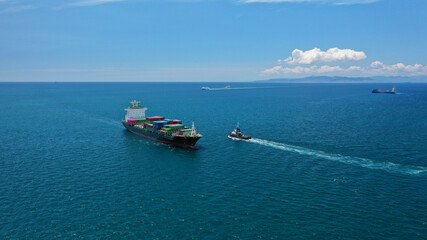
x=155, y=118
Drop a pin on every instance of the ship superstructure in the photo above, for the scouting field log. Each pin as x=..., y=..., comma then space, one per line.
x=157, y=128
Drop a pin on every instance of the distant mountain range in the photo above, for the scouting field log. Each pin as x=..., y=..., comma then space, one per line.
x=337, y=79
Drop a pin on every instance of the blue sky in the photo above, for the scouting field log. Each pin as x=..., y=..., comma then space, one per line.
x=210, y=40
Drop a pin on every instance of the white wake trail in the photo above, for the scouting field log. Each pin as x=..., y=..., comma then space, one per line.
x=241, y=88
x=357, y=161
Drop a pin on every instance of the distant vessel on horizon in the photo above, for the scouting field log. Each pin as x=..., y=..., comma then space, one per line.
x=392, y=91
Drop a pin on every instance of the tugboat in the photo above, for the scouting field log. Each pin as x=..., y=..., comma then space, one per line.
x=392, y=91
x=238, y=135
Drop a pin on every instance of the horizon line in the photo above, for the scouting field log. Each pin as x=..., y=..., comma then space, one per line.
x=256, y=81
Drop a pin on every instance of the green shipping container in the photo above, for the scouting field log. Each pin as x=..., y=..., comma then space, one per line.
x=177, y=126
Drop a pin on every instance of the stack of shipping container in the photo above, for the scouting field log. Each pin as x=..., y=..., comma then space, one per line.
x=161, y=125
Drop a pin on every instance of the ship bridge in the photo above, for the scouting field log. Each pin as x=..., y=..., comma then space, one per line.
x=135, y=111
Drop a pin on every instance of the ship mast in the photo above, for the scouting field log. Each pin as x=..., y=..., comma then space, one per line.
x=135, y=103
x=193, y=130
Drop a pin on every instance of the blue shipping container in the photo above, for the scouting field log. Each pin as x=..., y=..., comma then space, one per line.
x=159, y=124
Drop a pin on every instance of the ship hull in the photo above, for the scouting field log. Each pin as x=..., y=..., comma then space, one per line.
x=241, y=137
x=383, y=91
x=179, y=141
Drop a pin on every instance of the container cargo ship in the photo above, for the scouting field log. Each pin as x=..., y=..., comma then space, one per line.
x=168, y=131
x=392, y=91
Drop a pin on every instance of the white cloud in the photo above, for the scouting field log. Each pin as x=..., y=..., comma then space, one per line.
x=316, y=58
x=326, y=68
x=84, y=3
x=355, y=68
x=273, y=70
x=335, y=2
x=377, y=64
x=376, y=68
x=316, y=55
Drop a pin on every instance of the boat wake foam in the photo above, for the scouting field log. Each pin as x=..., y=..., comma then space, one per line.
x=240, y=88
x=357, y=161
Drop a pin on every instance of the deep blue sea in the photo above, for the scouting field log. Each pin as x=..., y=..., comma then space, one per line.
x=328, y=161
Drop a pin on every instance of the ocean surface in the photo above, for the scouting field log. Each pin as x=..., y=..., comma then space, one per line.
x=328, y=161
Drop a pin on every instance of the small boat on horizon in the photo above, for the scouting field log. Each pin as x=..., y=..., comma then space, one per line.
x=392, y=91
x=238, y=135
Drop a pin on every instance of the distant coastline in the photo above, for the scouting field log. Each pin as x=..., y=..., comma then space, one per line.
x=338, y=79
